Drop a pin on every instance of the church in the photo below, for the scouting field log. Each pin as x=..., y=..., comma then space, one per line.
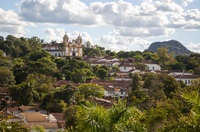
x=66, y=48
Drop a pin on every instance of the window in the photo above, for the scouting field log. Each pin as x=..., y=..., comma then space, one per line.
x=185, y=81
x=189, y=81
x=122, y=91
x=55, y=54
x=124, y=68
x=153, y=67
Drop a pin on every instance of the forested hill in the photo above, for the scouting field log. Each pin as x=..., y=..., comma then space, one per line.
x=174, y=46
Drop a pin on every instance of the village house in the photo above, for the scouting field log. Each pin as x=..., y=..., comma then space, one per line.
x=126, y=66
x=187, y=79
x=34, y=119
x=59, y=118
x=33, y=116
x=153, y=67
x=114, y=89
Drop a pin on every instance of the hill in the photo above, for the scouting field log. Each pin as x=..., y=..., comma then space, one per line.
x=172, y=45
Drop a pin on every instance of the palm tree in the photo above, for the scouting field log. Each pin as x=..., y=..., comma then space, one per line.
x=118, y=118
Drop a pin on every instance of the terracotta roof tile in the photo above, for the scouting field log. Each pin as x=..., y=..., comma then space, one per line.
x=46, y=125
x=33, y=117
x=58, y=116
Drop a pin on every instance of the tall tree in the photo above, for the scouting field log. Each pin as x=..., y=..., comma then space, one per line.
x=6, y=77
x=163, y=56
x=136, y=84
x=91, y=90
x=102, y=74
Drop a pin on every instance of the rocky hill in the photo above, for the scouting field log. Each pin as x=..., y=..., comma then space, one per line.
x=174, y=46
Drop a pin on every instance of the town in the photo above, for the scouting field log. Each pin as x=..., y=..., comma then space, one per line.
x=42, y=85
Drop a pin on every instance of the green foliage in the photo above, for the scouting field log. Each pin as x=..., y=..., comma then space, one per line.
x=189, y=121
x=136, y=84
x=6, y=77
x=76, y=70
x=59, y=99
x=23, y=93
x=102, y=74
x=91, y=90
x=163, y=56
x=115, y=119
x=39, y=129
x=197, y=70
x=140, y=66
x=7, y=126
x=138, y=58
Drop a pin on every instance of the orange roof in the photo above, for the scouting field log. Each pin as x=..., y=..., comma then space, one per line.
x=58, y=116
x=34, y=117
x=46, y=125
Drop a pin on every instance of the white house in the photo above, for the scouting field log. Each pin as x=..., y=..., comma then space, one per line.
x=112, y=91
x=187, y=79
x=153, y=67
x=126, y=67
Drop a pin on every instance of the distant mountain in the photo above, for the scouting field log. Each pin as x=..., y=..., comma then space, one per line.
x=174, y=46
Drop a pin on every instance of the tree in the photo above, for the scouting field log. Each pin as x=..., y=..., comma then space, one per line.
x=6, y=77
x=20, y=70
x=169, y=84
x=115, y=119
x=42, y=83
x=140, y=66
x=189, y=121
x=70, y=116
x=135, y=84
x=95, y=52
x=91, y=90
x=163, y=56
x=138, y=58
x=79, y=75
x=197, y=70
x=113, y=54
x=23, y=93
x=102, y=74
x=56, y=101
x=148, y=79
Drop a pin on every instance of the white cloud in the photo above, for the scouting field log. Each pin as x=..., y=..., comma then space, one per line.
x=116, y=42
x=11, y=23
x=58, y=11
x=145, y=32
x=54, y=34
x=58, y=33
x=195, y=47
x=193, y=14
x=186, y=2
x=168, y=6
x=149, y=15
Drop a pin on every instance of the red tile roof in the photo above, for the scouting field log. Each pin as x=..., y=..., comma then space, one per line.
x=33, y=117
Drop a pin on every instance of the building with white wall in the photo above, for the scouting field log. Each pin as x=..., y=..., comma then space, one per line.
x=66, y=48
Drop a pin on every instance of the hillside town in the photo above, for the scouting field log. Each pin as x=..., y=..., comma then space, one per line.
x=111, y=78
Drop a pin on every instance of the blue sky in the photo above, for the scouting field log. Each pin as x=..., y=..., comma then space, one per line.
x=116, y=25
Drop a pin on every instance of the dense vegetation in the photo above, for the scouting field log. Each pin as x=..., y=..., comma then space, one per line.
x=156, y=102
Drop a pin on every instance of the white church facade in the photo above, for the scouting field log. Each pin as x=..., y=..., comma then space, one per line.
x=66, y=48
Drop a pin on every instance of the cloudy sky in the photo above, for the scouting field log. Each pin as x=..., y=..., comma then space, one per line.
x=116, y=25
